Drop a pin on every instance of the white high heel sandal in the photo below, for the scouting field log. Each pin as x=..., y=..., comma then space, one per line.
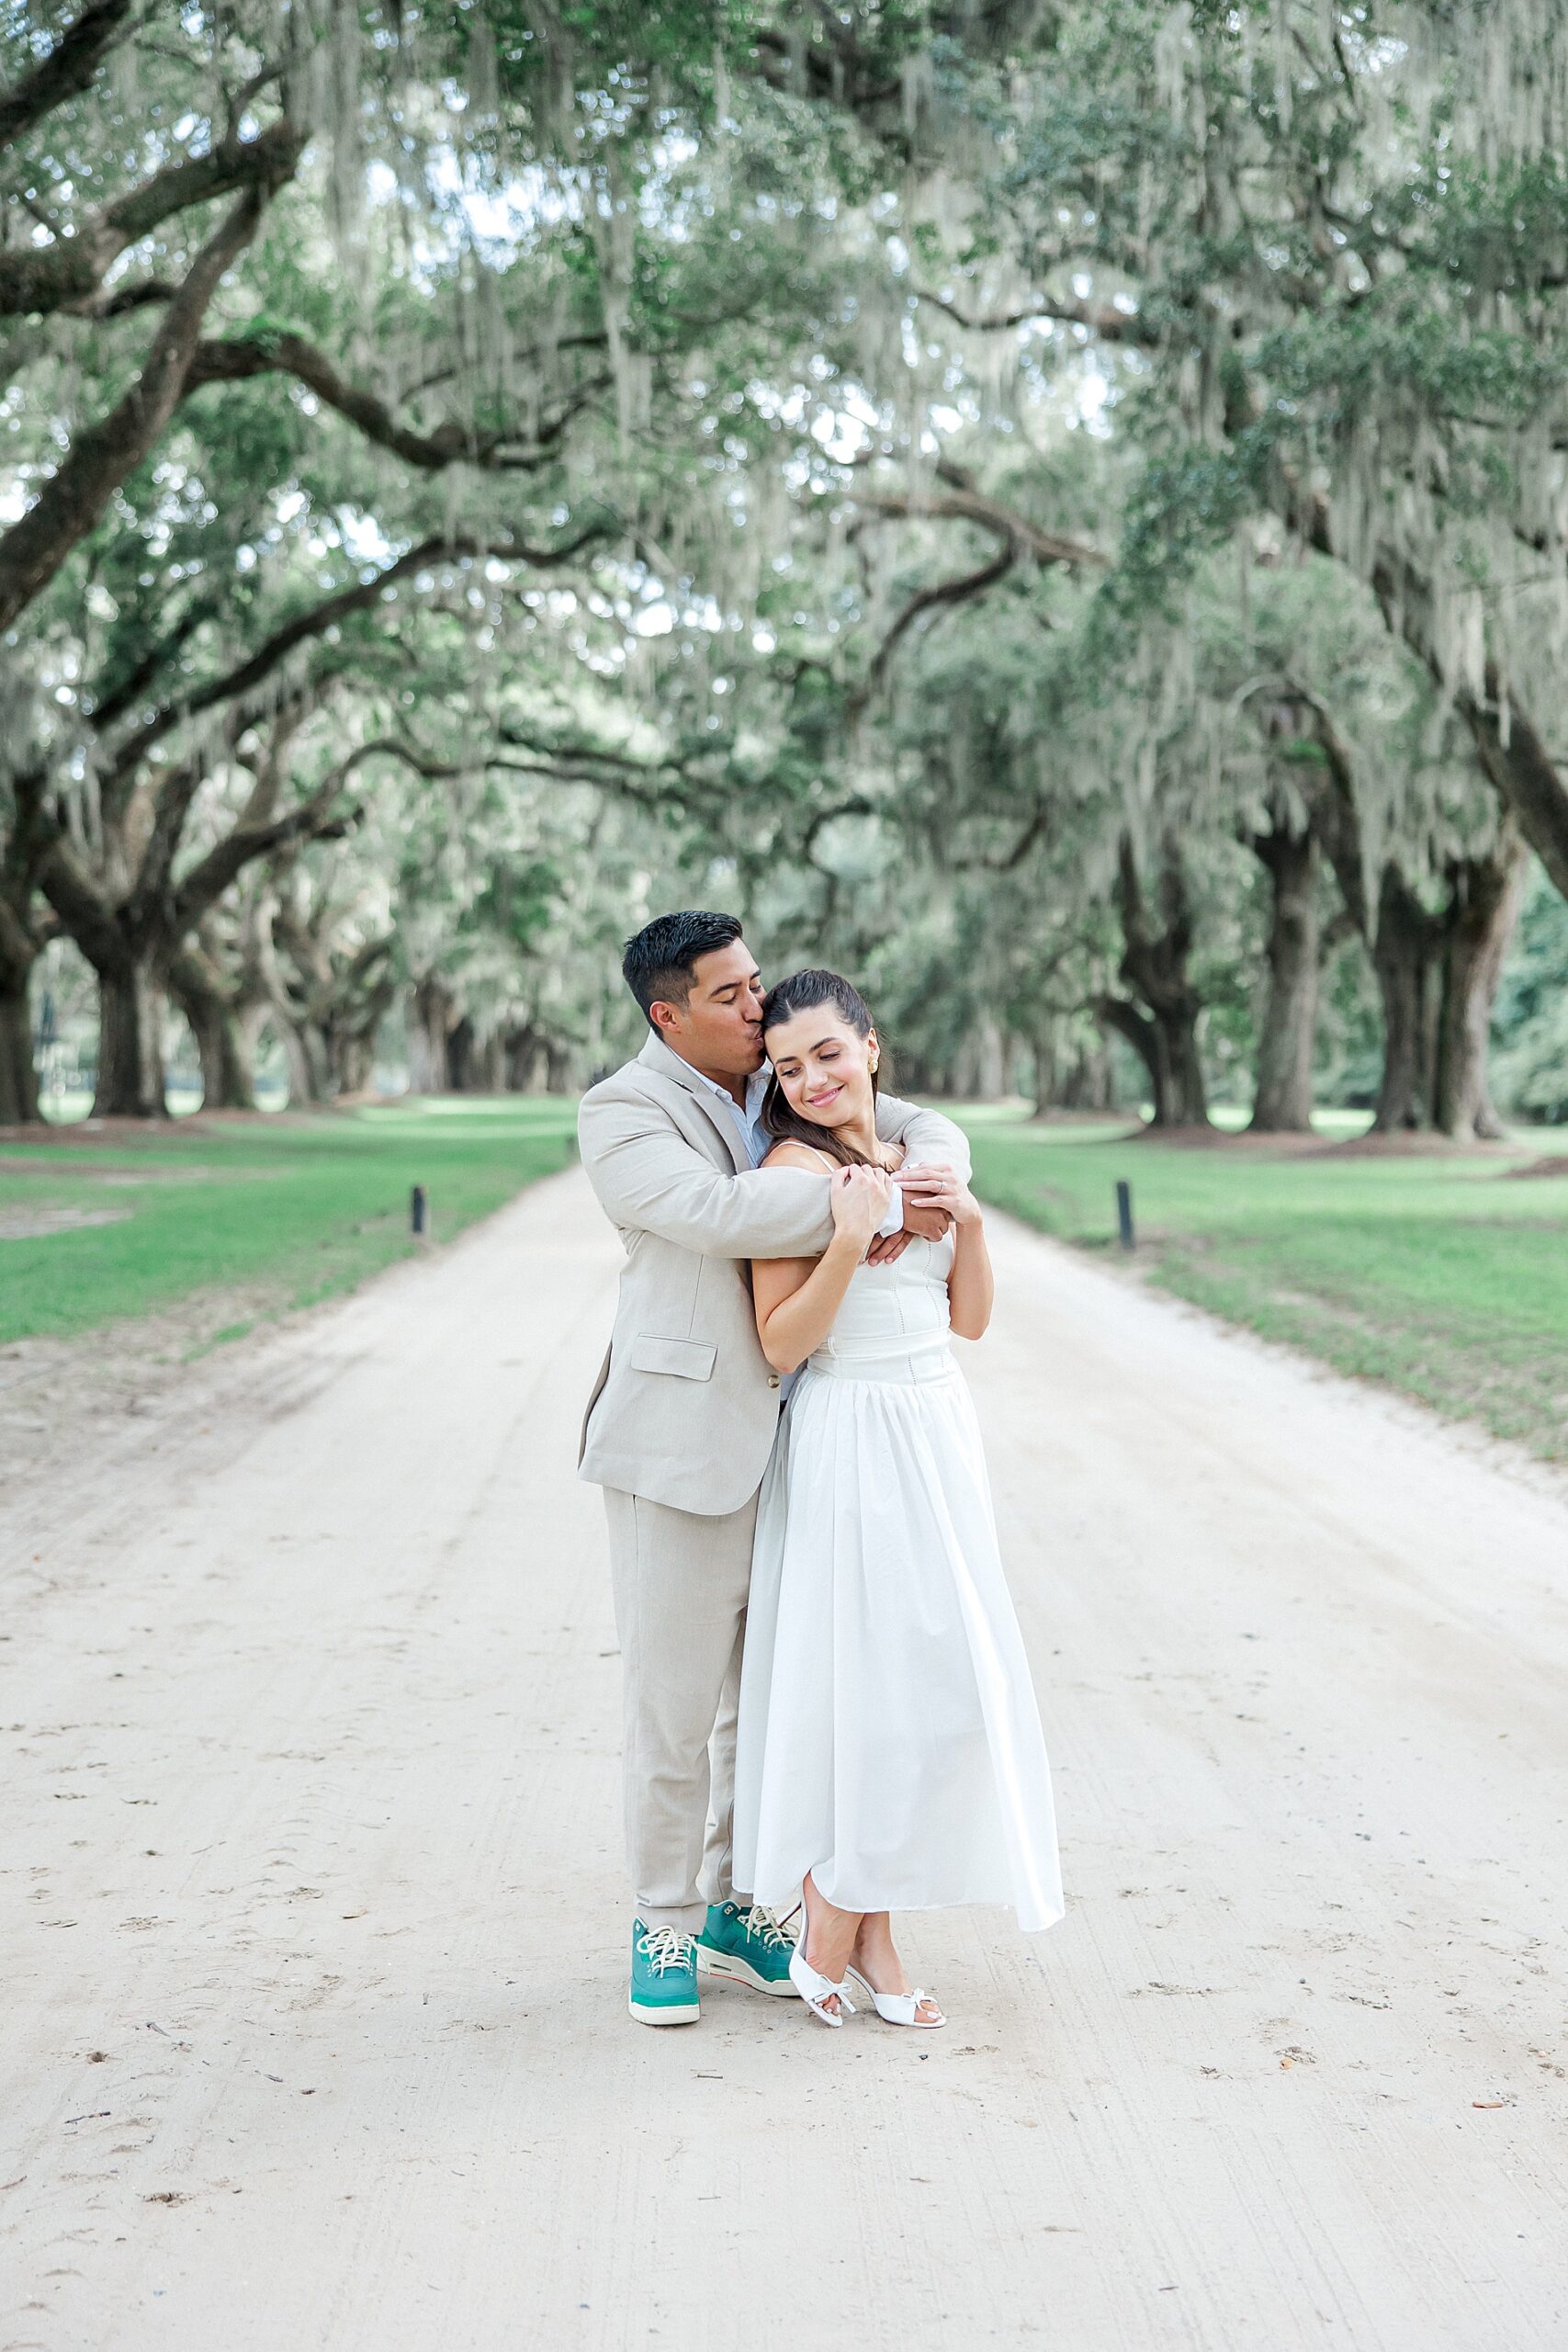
x=815, y=1989
x=899, y=2008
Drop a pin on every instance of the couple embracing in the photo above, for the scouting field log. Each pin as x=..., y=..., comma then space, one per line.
x=826, y=1703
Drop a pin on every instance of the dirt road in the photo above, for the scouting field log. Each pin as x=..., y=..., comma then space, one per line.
x=314, y=2036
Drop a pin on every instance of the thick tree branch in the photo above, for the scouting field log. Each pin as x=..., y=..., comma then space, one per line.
x=1011, y=859
x=1513, y=755
x=329, y=614
x=159, y=915
x=529, y=352
x=601, y=757
x=1128, y=1020
x=318, y=818
x=845, y=79
x=1332, y=807
x=171, y=805
x=393, y=746
x=1105, y=320
x=81, y=904
x=156, y=655
x=69, y=275
x=652, y=783
x=1520, y=768
x=970, y=505
x=24, y=929
x=821, y=819
x=126, y=299
x=72, y=501
x=240, y=357
x=943, y=594
x=575, y=768
x=68, y=69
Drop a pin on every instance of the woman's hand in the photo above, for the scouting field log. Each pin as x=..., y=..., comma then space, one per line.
x=935, y=1186
x=795, y=1299
x=860, y=1198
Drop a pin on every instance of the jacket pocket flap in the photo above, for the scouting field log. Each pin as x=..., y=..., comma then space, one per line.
x=687, y=1359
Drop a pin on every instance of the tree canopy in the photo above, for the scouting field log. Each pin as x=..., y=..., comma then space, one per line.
x=1059, y=509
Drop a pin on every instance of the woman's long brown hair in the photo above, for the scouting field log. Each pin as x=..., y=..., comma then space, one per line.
x=801, y=993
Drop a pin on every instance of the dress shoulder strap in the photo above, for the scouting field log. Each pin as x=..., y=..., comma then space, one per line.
x=828, y=1161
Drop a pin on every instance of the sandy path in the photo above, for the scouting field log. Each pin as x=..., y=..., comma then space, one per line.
x=309, y=1827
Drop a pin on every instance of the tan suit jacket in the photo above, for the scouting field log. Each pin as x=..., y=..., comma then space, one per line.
x=686, y=1406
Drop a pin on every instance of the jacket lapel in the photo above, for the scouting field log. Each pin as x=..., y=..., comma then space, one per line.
x=657, y=1056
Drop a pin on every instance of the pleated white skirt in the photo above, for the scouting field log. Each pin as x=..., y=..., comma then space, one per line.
x=889, y=1740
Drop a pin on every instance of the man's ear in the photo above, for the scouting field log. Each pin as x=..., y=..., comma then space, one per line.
x=663, y=1016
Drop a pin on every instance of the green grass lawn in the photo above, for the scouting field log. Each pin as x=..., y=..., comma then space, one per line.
x=286, y=1211
x=1444, y=1275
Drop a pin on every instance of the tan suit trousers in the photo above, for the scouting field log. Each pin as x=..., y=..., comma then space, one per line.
x=679, y=1582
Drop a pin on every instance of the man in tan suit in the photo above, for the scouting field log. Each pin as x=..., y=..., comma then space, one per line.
x=683, y=1416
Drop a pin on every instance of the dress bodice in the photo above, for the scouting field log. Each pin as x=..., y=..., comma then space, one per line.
x=893, y=1322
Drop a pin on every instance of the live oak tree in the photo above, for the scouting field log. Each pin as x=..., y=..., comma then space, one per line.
x=388, y=324
x=1316, y=261
x=709, y=448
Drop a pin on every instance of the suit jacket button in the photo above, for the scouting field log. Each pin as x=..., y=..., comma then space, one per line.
x=773, y=1380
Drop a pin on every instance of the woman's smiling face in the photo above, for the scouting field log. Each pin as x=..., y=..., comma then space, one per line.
x=823, y=1065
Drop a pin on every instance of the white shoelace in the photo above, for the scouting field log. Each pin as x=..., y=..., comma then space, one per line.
x=667, y=1948
x=759, y=1922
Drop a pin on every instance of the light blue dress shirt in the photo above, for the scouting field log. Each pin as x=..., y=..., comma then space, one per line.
x=755, y=1141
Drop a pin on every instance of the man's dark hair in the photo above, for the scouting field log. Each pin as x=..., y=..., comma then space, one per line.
x=660, y=963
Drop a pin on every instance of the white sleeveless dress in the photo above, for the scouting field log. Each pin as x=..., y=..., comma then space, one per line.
x=889, y=1740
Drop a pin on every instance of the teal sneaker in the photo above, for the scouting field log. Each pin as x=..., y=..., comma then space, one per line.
x=745, y=1945
x=664, y=1977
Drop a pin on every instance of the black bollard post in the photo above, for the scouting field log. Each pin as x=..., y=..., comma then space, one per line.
x=416, y=1209
x=1124, y=1214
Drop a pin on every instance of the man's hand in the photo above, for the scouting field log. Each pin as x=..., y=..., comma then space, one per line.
x=886, y=1247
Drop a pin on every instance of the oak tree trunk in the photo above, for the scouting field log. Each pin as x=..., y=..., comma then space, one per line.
x=1158, y=944
x=1178, y=1026
x=1131, y=1021
x=1282, y=1103
x=1405, y=955
x=464, y=1075
x=1478, y=926
x=303, y=1050
x=1167, y=1048
x=351, y=1046
x=130, y=1042
x=524, y=1060
x=18, y=1079
x=22, y=937
x=433, y=1019
x=1044, y=1067
x=1088, y=1085
x=223, y=1043
x=990, y=1061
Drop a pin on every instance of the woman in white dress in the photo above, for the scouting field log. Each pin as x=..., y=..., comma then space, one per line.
x=889, y=1749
